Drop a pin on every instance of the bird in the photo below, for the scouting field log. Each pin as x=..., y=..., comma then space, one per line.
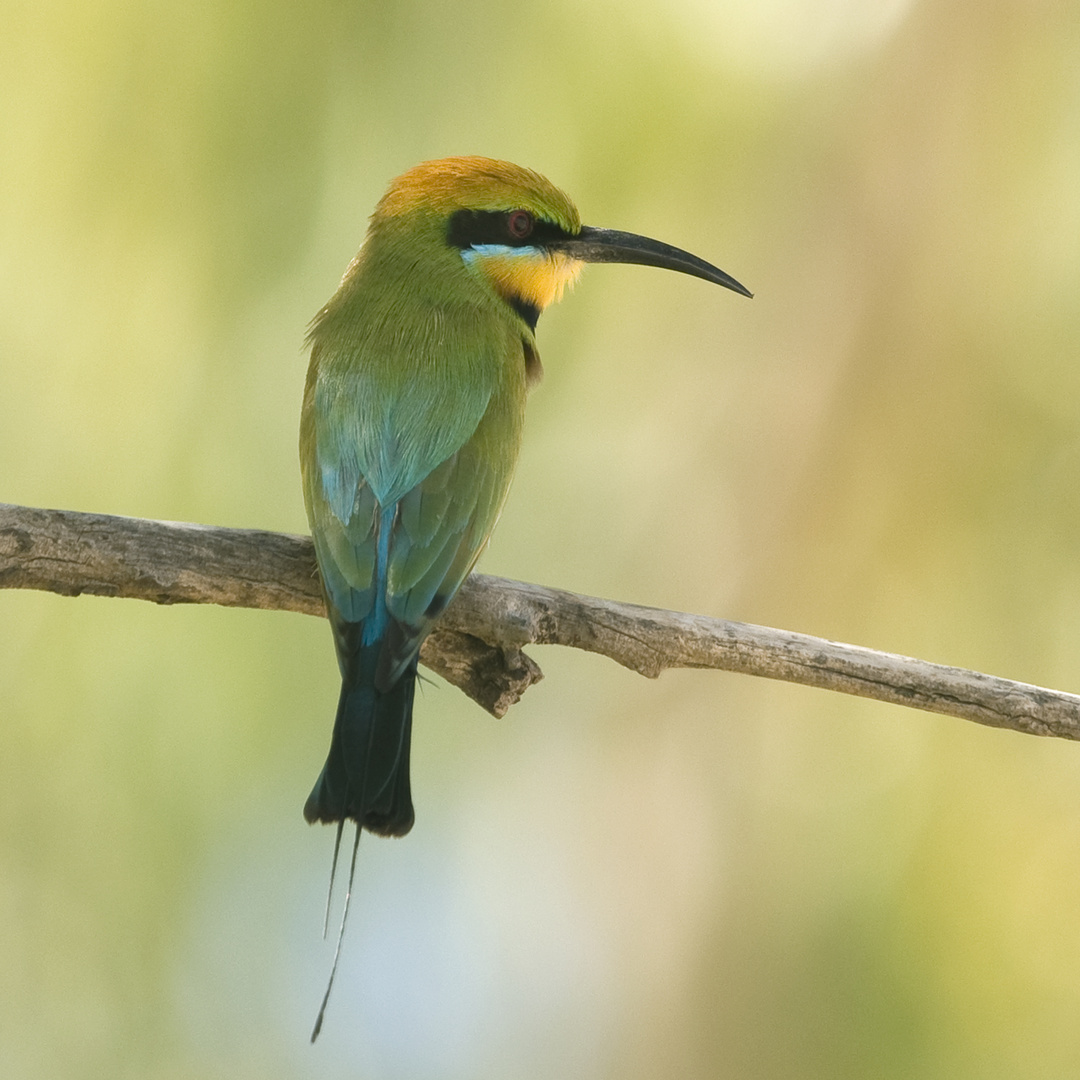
x=411, y=422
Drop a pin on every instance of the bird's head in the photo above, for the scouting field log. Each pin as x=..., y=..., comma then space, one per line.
x=516, y=230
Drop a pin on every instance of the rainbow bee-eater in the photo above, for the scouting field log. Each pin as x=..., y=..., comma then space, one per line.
x=411, y=424
x=412, y=418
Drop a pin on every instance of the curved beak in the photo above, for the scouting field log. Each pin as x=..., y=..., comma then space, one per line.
x=613, y=246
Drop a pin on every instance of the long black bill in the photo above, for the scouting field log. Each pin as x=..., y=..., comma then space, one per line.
x=610, y=245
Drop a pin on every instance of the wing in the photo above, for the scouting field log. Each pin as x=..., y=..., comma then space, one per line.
x=442, y=526
x=409, y=434
x=395, y=564
x=397, y=567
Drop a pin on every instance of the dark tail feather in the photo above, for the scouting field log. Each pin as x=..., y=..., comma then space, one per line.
x=366, y=775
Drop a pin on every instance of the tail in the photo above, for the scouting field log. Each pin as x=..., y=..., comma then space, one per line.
x=366, y=775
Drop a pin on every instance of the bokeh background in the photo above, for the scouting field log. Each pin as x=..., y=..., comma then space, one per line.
x=706, y=876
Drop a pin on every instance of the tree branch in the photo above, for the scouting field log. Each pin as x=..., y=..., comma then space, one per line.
x=478, y=644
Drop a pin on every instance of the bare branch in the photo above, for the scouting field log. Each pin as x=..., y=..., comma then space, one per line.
x=478, y=645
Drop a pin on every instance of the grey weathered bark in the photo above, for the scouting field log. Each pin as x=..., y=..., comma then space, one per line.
x=478, y=644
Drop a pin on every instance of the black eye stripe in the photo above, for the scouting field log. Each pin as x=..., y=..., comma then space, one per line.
x=469, y=227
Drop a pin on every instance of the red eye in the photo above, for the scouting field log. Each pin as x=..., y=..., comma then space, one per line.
x=519, y=224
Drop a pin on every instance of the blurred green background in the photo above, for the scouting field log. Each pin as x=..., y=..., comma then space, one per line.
x=708, y=876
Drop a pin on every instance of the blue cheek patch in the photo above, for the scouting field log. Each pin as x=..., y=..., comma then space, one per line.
x=470, y=254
